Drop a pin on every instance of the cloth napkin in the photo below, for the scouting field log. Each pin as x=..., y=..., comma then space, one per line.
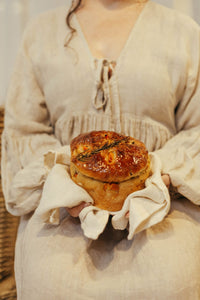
x=146, y=207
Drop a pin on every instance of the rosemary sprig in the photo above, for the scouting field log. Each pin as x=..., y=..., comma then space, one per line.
x=85, y=156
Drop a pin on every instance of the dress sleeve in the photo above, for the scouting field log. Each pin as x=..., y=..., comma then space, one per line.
x=27, y=135
x=180, y=156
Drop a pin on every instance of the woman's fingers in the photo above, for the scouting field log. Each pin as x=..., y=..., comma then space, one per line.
x=75, y=211
x=127, y=215
x=166, y=180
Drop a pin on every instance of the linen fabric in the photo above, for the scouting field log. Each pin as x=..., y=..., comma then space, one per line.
x=153, y=95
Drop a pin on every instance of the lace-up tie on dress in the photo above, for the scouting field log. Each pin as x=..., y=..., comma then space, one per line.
x=107, y=94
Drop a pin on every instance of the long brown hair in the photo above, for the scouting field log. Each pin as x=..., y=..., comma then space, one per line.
x=72, y=10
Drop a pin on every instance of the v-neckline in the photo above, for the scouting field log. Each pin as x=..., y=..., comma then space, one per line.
x=124, y=47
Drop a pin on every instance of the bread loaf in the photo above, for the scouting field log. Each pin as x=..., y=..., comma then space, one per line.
x=109, y=166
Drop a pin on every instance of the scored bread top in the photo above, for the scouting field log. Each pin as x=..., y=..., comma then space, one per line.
x=108, y=156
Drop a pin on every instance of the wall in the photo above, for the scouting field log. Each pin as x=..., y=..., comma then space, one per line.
x=14, y=15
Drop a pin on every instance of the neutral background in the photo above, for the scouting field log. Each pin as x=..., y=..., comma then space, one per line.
x=14, y=15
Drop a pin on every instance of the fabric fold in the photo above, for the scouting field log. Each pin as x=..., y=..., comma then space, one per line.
x=93, y=221
x=180, y=157
x=25, y=194
x=146, y=207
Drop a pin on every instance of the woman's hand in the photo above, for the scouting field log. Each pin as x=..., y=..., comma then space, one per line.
x=75, y=211
x=166, y=180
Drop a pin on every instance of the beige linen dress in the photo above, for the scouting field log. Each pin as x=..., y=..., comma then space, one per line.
x=153, y=94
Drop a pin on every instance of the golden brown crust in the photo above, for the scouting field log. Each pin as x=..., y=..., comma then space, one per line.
x=109, y=166
x=109, y=196
x=108, y=156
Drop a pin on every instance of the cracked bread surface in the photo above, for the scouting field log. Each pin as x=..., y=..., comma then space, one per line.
x=109, y=166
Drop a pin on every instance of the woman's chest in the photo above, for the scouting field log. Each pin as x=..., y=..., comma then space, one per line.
x=106, y=31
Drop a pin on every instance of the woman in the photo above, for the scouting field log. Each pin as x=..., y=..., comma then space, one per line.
x=129, y=66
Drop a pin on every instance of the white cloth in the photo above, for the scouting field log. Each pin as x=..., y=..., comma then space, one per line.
x=146, y=207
